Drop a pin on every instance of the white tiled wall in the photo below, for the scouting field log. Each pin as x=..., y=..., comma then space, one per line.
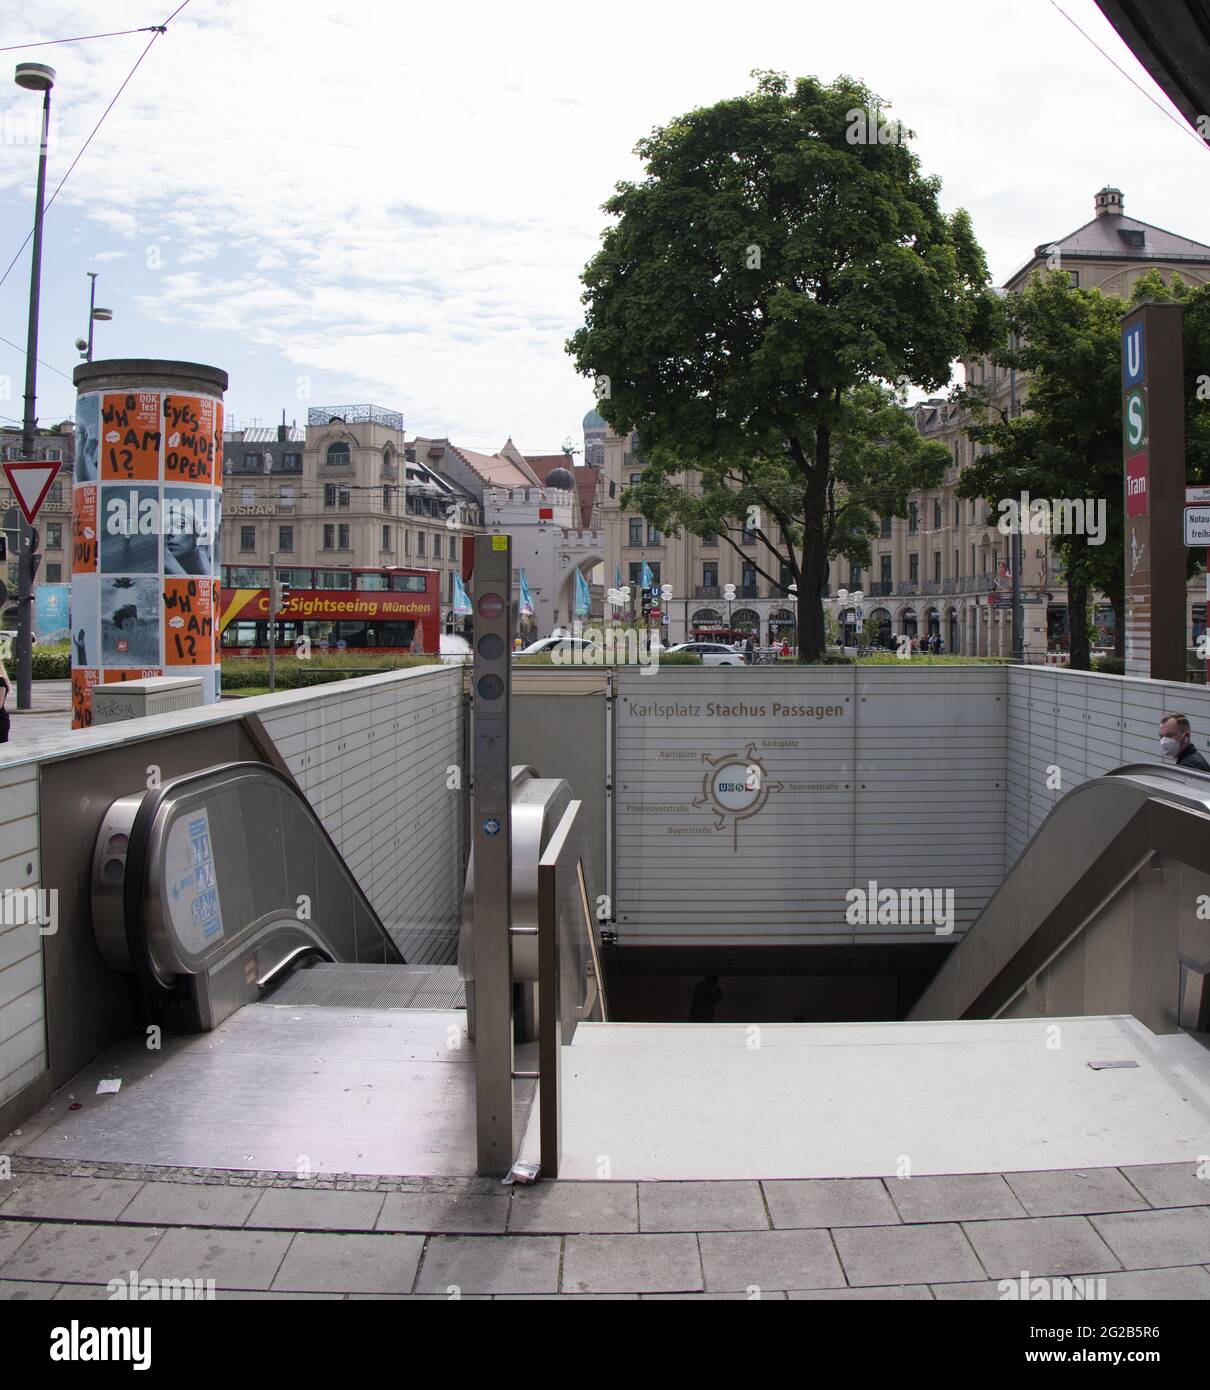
x=22, y=1026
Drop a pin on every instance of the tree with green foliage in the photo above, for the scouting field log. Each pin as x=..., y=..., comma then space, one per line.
x=780, y=265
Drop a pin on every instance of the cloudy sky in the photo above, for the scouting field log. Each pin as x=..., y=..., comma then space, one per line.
x=392, y=202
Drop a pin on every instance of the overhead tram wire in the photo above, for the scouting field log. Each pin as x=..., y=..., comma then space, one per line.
x=1176, y=120
x=157, y=32
x=83, y=38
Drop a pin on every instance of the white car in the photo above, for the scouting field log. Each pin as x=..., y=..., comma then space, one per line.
x=455, y=649
x=711, y=653
x=580, y=646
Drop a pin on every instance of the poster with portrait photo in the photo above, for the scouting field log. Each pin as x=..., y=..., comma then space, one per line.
x=128, y=518
x=88, y=438
x=85, y=620
x=191, y=519
x=130, y=621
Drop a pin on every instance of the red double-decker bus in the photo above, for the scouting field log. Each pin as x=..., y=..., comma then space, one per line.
x=389, y=609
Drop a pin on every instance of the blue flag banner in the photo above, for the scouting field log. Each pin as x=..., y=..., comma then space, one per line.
x=526, y=608
x=648, y=579
x=462, y=601
x=583, y=596
x=617, y=576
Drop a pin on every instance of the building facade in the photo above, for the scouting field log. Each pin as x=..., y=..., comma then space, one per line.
x=345, y=493
x=538, y=500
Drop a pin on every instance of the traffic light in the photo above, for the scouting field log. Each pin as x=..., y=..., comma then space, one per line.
x=282, y=589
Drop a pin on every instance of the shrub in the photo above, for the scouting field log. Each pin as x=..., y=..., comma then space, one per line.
x=252, y=672
x=1110, y=665
x=51, y=663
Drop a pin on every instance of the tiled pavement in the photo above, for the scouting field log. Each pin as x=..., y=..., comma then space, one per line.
x=65, y=1232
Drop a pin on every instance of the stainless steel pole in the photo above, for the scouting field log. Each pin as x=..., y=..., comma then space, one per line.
x=1017, y=547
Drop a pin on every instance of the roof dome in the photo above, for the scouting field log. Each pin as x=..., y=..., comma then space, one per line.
x=560, y=478
x=593, y=421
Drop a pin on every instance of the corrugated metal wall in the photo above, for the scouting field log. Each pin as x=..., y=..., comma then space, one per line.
x=1083, y=726
x=22, y=1022
x=374, y=761
x=886, y=773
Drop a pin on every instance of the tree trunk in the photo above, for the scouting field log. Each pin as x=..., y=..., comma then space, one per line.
x=812, y=634
x=1077, y=612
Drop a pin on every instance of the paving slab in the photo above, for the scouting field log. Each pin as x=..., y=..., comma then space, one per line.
x=49, y=1198
x=307, y=1209
x=961, y=1197
x=191, y=1204
x=82, y=1254
x=982, y=1291
x=1040, y=1245
x=1157, y=1239
x=12, y=1233
x=799, y=1202
x=350, y=1263
x=18, y=1290
x=765, y=1296
x=438, y=1213
x=1172, y=1184
x=701, y=1206
x=896, y=1292
x=575, y=1208
x=746, y=1260
x=490, y=1264
x=879, y=1255
x=631, y=1264
x=1181, y=1282
x=1074, y=1192
x=233, y=1259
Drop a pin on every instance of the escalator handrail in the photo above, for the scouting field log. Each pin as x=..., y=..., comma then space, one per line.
x=134, y=893
x=1181, y=796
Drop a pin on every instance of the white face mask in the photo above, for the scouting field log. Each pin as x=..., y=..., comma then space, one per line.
x=1169, y=748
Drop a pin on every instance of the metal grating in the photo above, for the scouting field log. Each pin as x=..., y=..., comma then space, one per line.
x=373, y=987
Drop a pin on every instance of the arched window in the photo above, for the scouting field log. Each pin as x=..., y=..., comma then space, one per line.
x=337, y=454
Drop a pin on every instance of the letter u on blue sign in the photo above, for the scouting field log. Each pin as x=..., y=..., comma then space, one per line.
x=1132, y=355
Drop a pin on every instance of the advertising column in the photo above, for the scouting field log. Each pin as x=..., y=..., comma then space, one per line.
x=146, y=513
x=1153, y=430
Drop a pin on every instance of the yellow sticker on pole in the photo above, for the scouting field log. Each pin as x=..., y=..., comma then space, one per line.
x=499, y=542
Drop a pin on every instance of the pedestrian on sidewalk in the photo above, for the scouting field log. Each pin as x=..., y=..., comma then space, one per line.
x=5, y=718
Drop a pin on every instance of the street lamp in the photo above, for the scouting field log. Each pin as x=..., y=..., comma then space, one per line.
x=95, y=315
x=33, y=77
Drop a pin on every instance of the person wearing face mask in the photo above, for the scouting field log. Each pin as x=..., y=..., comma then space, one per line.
x=1176, y=745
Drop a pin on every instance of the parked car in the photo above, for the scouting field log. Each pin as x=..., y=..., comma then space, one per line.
x=711, y=653
x=455, y=649
x=568, y=645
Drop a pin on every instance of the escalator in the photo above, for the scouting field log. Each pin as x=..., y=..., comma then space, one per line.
x=1099, y=915
x=216, y=887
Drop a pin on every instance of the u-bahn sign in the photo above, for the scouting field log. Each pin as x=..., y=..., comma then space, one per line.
x=1153, y=450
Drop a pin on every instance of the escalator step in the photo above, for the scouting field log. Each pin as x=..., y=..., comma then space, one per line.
x=373, y=987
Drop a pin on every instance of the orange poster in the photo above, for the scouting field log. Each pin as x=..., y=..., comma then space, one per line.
x=192, y=439
x=188, y=622
x=84, y=528
x=115, y=677
x=130, y=436
x=83, y=678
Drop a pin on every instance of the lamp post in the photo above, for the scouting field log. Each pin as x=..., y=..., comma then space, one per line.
x=33, y=77
x=95, y=315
